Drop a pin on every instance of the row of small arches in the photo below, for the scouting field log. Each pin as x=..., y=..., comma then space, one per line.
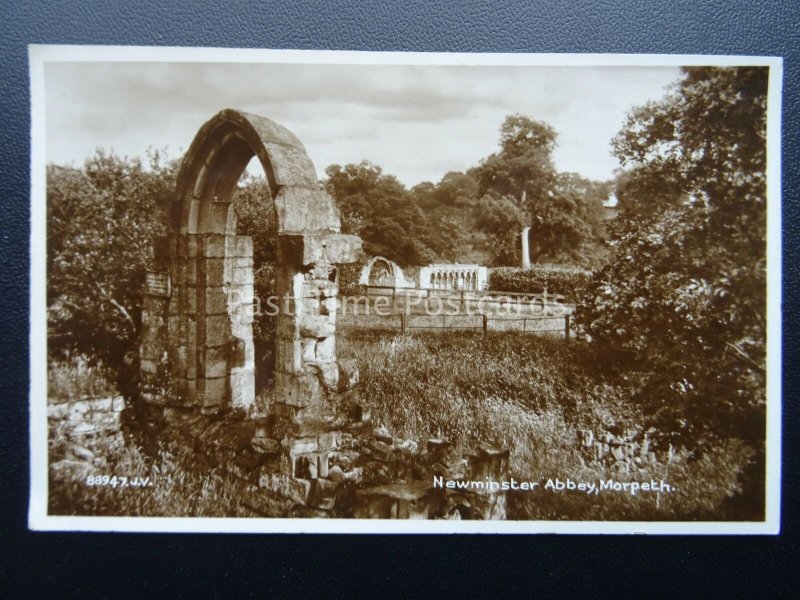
x=454, y=280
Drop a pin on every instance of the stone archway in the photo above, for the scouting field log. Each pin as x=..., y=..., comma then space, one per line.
x=380, y=271
x=197, y=341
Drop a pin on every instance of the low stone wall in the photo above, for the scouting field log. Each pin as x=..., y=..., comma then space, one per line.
x=622, y=452
x=398, y=323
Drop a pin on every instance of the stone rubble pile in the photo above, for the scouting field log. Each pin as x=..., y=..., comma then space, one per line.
x=631, y=449
x=81, y=433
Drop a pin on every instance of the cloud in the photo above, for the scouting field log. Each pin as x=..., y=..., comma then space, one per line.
x=416, y=122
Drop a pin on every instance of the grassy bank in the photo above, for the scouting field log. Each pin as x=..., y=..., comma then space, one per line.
x=535, y=395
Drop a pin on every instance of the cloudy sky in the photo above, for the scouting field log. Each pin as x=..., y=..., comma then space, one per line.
x=416, y=122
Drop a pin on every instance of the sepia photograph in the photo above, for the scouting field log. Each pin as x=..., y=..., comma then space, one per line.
x=317, y=291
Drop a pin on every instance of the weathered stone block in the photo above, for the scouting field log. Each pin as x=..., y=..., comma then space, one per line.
x=306, y=209
x=215, y=217
x=180, y=356
x=330, y=305
x=284, y=411
x=152, y=320
x=216, y=301
x=176, y=327
x=215, y=361
x=243, y=387
x=488, y=462
x=317, y=326
x=298, y=446
x=309, y=350
x=242, y=275
x=189, y=272
x=237, y=349
x=310, y=248
x=216, y=330
x=212, y=392
x=291, y=208
x=328, y=441
x=323, y=494
x=211, y=271
x=243, y=246
x=298, y=390
x=278, y=483
x=241, y=261
x=326, y=349
x=214, y=245
x=327, y=372
x=189, y=293
x=192, y=244
x=395, y=501
x=291, y=167
x=310, y=306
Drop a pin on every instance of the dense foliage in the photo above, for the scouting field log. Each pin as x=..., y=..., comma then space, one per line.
x=564, y=210
x=101, y=221
x=477, y=216
x=569, y=282
x=683, y=299
x=255, y=217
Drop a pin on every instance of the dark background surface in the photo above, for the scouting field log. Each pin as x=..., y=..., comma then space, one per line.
x=216, y=565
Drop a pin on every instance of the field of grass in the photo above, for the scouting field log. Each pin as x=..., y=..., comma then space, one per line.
x=534, y=395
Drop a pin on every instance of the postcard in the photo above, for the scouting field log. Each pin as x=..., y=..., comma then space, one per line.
x=360, y=292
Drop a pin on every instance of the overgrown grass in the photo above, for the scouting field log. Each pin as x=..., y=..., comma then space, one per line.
x=534, y=395
x=178, y=486
x=531, y=394
x=74, y=377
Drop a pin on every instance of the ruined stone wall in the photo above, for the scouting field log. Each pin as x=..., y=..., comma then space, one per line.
x=197, y=334
x=305, y=454
x=197, y=347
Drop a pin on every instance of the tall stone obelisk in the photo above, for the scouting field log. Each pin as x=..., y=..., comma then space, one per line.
x=526, y=256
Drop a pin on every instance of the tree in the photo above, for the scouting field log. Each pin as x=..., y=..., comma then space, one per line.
x=523, y=169
x=389, y=222
x=501, y=219
x=683, y=301
x=101, y=221
x=559, y=212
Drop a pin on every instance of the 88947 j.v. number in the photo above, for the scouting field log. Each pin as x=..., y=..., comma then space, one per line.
x=118, y=481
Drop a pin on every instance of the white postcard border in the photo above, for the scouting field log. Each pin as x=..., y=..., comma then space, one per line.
x=39, y=520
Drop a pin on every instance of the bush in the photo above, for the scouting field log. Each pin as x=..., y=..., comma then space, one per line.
x=470, y=388
x=348, y=278
x=101, y=221
x=570, y=282
x=77, y=377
